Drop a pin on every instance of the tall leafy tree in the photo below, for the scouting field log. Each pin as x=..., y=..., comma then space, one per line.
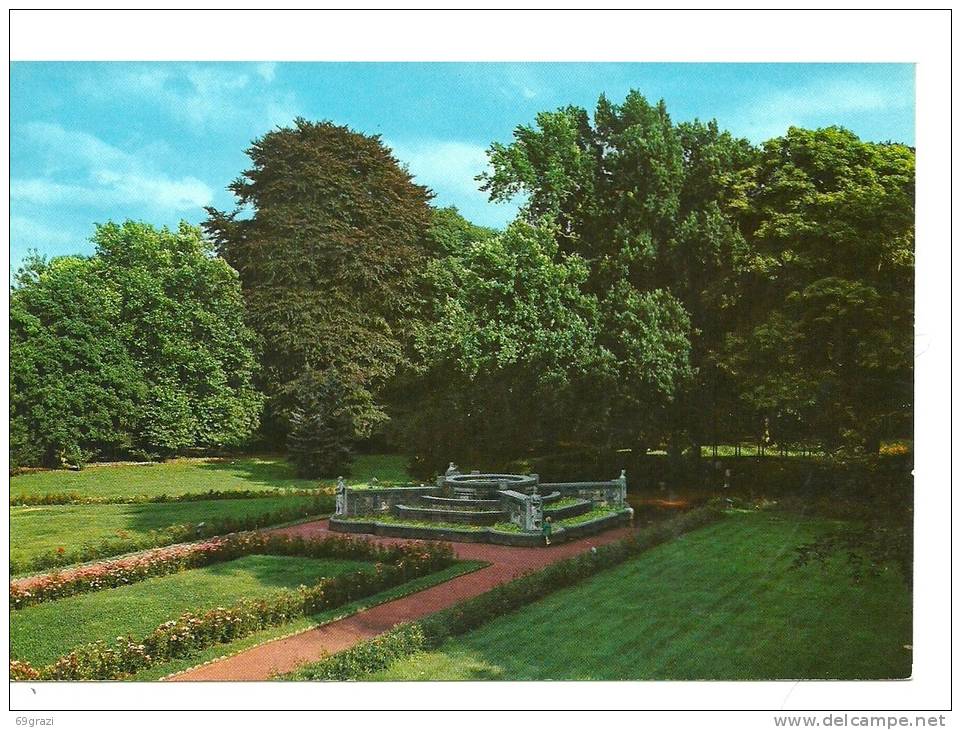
x=614, y=185
x=702, y=265
x=74, y=386
x=509, y=328
x=139, y=349
x=332, y=235
x=828, y=342
x=519, y=357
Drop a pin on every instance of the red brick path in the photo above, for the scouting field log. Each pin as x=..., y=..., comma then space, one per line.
x=283, y=655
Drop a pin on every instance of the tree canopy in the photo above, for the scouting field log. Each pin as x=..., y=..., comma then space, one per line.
x=139, y=349
x=826, y=345
x=332, y=234
x=662, y=284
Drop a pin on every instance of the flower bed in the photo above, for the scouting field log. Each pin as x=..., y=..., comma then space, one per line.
x=195, y=631
x=184, y=557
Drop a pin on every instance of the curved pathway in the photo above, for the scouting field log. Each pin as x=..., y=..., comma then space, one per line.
x=284, y=655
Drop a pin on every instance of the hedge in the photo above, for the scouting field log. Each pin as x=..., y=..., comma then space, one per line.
x=185, y=557
x=193, y=632
x=377, y=654
x=768, y=476
x=323, y=504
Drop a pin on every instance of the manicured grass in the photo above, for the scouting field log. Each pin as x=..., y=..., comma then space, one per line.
x=190, y=476
x=40, y=530
x=719, y=603
x=221, y=650
x=42, y=633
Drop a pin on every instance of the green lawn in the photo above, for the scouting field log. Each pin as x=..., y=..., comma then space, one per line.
x=718, y=603
x=40, y=530
x=42, y=633
x=189, y=476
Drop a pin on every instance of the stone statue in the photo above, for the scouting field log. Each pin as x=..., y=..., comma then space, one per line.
x=622, y=492
x=452, y=470
x=340, y=497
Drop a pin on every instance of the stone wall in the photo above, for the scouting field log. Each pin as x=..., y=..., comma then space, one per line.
x=379, y=501
x=611, y=494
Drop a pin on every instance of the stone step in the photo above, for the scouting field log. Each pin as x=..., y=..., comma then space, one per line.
x=429, y=500
x=466, y=517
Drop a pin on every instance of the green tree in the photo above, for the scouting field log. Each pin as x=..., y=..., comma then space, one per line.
x=828, y=341
x=614, y=185
x=73, y=383
x=703, y=265
x=139, y=349
x=519, y=357
x=328, y=257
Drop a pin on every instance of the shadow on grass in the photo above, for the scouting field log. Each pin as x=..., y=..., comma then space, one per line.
x=274, y=471
x=267, y=471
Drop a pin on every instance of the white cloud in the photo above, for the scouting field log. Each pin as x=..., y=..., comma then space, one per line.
x=267, y=70
x=444, y=166
x=770, y=115
x=203, y=97
x=449, y=168
x=83, y=169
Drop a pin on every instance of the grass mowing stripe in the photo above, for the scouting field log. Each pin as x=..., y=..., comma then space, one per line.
x=42, y=633
x=728, y=606
x=223, y=650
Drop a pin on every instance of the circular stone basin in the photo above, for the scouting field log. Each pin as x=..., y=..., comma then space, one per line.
x=475, y=486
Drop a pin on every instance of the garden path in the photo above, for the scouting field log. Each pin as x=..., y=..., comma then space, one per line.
x=284, y=655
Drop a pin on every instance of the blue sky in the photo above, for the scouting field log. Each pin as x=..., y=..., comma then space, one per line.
x=91, y=142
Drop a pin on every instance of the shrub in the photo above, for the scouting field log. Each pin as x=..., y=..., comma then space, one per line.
x=25, y=500
x=366, y=657
x=22, y=671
